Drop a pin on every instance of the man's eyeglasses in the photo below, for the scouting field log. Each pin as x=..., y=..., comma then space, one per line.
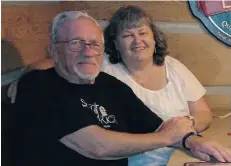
x=76, y=45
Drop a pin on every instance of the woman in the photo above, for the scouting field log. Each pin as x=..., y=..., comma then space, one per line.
x=137, y=55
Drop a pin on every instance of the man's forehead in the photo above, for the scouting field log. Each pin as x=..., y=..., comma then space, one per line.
x=83, y=28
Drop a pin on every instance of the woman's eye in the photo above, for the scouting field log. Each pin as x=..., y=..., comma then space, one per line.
x=143, y=33
x=127, y=35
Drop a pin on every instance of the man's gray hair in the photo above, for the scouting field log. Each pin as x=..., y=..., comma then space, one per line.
x=63, y=17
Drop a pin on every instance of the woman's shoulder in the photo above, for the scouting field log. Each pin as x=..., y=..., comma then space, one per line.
x=173, y=62
x=173, y=65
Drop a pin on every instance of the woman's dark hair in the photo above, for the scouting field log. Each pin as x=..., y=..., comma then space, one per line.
x=129, y=17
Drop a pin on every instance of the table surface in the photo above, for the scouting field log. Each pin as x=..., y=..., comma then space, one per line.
x=217, y=132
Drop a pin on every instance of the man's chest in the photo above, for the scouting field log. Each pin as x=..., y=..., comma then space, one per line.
x=107, y=109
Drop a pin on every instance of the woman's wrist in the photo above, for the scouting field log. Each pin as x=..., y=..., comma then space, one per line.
x=189, y=138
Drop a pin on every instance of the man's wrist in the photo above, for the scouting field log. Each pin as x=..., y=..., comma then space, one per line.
x=165, y=140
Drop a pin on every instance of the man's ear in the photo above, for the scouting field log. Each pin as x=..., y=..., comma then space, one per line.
x=53, y=52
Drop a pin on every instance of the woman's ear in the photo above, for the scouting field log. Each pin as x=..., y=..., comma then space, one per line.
x=53, y=52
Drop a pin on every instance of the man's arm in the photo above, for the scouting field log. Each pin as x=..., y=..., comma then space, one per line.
x=98, y=143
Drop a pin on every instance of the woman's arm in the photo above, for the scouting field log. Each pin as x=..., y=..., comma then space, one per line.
x=201, y=113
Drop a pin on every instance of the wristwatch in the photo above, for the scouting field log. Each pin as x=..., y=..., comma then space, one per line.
x=186, y=137
x=190, y=117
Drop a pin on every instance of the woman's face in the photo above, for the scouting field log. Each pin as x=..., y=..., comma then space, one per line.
x=136, y=43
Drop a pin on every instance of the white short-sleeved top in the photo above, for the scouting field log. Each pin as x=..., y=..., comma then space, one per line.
x=171, y=101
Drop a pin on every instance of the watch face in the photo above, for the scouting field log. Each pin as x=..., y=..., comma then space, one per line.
x=190, y=117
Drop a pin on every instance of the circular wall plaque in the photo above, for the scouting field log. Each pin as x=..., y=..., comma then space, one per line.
x=215, y=16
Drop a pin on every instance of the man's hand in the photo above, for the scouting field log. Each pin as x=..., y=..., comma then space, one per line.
x=202, y=148
x=176, y=128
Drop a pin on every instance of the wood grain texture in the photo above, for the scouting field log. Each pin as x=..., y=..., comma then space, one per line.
x=26, y=3
x=27, y=32
x=161, y=11
x=208, y=59
x=217, y=101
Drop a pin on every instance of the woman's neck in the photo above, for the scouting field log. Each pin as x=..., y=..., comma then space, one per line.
x=147, y=74
x=138, y=68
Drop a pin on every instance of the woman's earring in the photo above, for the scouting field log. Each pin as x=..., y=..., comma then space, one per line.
x=155, y=51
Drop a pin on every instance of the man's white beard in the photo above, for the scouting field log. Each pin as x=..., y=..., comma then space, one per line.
x=78, y=78
x=87, y=77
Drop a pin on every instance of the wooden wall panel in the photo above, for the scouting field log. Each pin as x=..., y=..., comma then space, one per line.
x=28, y=27
x=14, y=15
x=208, y=59
x=216, y=101
x=27, y=32
x=176, y=10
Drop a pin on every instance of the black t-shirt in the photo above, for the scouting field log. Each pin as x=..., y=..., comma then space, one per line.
x=49, y=107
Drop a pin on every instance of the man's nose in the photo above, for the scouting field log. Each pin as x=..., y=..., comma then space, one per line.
x=87, y=51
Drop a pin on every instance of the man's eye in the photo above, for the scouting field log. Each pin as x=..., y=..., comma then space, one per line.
x=95, y=44
x=73, y=42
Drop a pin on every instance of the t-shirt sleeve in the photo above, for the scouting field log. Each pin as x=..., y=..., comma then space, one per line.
x=141, y=119
x=191, y=87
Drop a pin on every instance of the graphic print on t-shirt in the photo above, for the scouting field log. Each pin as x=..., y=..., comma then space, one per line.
x=101, y=113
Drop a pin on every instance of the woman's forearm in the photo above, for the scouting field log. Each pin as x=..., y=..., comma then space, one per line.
x=202, y=114
x=203, y=120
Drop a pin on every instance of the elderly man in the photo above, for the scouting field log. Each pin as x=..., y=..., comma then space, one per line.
x=73, y=114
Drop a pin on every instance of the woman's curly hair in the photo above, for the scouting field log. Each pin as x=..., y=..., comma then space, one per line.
x=129, y=17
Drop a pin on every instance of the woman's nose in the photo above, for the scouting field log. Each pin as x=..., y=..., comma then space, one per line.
x=137, y=38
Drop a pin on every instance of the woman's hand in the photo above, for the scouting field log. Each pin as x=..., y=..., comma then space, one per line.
x=203, y=149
